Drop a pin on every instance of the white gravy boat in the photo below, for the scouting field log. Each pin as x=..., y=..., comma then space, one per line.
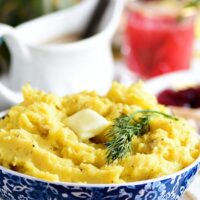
x=60, y=68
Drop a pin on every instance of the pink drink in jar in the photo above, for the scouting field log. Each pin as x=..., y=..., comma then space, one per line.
x=157, y=42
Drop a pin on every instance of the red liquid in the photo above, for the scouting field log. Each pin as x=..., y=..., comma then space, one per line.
x=157, y=45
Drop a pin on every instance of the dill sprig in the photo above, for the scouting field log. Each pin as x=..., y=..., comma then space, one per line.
x=124, y=128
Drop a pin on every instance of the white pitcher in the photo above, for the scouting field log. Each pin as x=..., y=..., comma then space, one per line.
x=60, y=68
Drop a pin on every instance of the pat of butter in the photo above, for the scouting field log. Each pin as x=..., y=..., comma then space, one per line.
x=87, y=123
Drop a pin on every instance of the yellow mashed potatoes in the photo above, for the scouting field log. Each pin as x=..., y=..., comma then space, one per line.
x=35, y=140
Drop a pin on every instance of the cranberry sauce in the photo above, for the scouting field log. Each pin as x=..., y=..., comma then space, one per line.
x=189, y=97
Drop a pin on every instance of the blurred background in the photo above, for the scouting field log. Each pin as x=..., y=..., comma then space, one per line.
x=14, y=12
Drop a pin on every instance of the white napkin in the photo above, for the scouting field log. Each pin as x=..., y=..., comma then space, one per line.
x=193, y=193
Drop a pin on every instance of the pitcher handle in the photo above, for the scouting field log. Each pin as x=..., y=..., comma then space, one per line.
x=15, y=45
x=18, y=50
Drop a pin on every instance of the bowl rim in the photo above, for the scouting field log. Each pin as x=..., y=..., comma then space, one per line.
x=101, y=185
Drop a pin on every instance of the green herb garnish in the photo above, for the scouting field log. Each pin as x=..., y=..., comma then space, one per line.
x=123, y=130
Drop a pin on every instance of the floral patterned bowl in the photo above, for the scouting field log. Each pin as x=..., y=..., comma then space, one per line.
x=16, y=186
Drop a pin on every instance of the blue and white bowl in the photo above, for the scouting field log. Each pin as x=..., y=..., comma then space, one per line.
x=16, y=186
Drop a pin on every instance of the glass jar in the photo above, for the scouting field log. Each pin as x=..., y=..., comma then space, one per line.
x=158, y=37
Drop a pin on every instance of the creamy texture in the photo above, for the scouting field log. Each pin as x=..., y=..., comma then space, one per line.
x=35, y=140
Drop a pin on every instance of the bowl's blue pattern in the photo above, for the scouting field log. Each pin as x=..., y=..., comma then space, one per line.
x=14, y=187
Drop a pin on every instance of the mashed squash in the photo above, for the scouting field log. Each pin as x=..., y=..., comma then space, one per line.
x=35, y=138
